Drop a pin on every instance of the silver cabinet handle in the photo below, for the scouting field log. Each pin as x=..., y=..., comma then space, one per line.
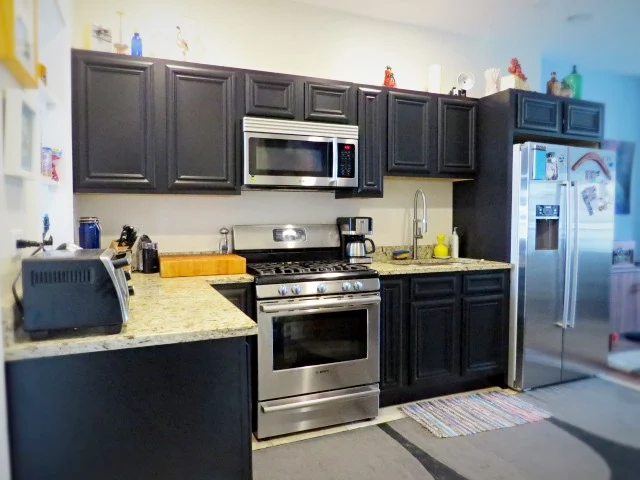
x=319, y=401
x=371, y=300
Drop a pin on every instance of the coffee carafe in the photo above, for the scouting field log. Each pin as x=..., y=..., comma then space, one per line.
x=353, y=241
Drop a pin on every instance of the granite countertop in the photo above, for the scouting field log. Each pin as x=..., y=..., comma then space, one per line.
x=162, y=311
x=432, y=265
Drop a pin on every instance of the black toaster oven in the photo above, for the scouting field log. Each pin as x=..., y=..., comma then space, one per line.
x=75, y=289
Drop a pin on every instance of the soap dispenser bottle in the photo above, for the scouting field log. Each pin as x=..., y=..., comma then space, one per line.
x=455, y=243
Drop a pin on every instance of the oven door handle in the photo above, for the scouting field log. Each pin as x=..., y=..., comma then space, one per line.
x=319, y=401
x=373, y=300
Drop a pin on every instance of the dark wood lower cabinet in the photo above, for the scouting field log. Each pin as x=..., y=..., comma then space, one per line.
x=483, y=334
x=392, y=368
x=241, y=295
x=442, y=333
x=166, y=412
x=434, y=341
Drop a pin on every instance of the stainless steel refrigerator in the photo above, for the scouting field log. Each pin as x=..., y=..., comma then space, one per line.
x=562, y=237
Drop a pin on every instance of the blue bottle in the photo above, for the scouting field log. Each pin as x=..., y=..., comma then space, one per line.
x=136, y=45
x=89, y=232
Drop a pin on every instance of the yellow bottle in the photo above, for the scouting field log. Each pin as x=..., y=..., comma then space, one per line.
x=441, y=249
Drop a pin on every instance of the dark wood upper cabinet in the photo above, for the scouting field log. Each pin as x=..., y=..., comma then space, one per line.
x=392, y=352
x=539, y=112
x=457, y=139
x=372, y=144
x=410, y=140
x=113, y=123
x=273, y=96
x=200, y=144
x=329, y=102
x=434, y=341
x=483, y=334
x=583, y=119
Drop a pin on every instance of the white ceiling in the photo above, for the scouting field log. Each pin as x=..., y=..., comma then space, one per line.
x=610, y=40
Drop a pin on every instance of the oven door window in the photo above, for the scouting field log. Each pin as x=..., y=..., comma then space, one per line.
x=319, y=338
x=291, y=158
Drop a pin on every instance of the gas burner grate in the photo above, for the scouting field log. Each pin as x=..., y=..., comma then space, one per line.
x=293, y=268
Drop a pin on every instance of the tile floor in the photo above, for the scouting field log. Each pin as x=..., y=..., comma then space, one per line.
x=386, y=414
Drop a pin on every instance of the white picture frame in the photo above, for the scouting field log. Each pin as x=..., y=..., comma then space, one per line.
x=21, y=133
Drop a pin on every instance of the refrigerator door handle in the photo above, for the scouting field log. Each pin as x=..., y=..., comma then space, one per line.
x=575, y=247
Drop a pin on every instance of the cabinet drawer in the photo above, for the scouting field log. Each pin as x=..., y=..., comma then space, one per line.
x=481, y=283
x=538, y=114
x=435, y=286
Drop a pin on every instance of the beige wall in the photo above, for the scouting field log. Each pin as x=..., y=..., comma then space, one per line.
x=289, y=37
x=191, y=223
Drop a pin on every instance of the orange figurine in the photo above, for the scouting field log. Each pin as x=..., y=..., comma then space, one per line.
x=389, y=79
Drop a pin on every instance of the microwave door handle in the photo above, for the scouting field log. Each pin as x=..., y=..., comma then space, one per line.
x=334, y=162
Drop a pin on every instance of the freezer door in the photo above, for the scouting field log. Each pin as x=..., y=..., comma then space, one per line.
x=545, y=312
x=592, y=179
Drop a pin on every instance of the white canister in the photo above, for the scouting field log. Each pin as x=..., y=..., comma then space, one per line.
x=455, y=243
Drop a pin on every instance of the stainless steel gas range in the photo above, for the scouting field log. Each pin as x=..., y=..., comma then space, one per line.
x=318, y=328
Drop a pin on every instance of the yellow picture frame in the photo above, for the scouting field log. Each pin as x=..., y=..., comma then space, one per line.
x=19, y=40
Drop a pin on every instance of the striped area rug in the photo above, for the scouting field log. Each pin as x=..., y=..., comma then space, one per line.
x=473, y=413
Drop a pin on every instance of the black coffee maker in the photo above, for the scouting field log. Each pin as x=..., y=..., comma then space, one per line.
x=353, y=241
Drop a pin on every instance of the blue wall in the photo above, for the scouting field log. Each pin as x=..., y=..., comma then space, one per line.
x=621, y=96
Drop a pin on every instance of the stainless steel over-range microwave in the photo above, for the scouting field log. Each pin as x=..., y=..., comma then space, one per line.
x=287, y=153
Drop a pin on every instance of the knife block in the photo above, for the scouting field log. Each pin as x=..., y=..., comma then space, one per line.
x=114, y=245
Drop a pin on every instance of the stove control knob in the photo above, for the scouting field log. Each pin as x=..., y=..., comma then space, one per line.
x=296, y=289
x=357, y=285
x=346, y=286
x=283, y=290
x=322, y=288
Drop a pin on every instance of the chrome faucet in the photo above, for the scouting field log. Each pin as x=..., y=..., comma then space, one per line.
x=419, y=226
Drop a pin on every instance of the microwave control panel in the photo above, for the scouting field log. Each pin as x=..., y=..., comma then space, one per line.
x=346, y=160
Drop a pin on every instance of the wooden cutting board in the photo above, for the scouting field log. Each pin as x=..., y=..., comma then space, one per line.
x=194, y=265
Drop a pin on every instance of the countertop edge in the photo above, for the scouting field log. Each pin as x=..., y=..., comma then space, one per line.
x=29, y=351
x=389, y=269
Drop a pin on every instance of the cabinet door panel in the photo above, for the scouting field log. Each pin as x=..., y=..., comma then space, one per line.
x=409, y=134
x=271, y=96
x=113, y=99
x=583, y=119
x=457, y=135
x=392, y=352
x=329, y=103
x=200, y=129
x=241, y=295
x=434, y=341
x=483, y=334
x=535, y=113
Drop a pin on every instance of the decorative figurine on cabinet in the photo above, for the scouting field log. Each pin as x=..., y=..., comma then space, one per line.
x=516, y=69
x=181, y=42
x=516, y=78
x=389, y=78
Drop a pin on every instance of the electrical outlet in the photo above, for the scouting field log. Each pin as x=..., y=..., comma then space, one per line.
x=16, y=234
